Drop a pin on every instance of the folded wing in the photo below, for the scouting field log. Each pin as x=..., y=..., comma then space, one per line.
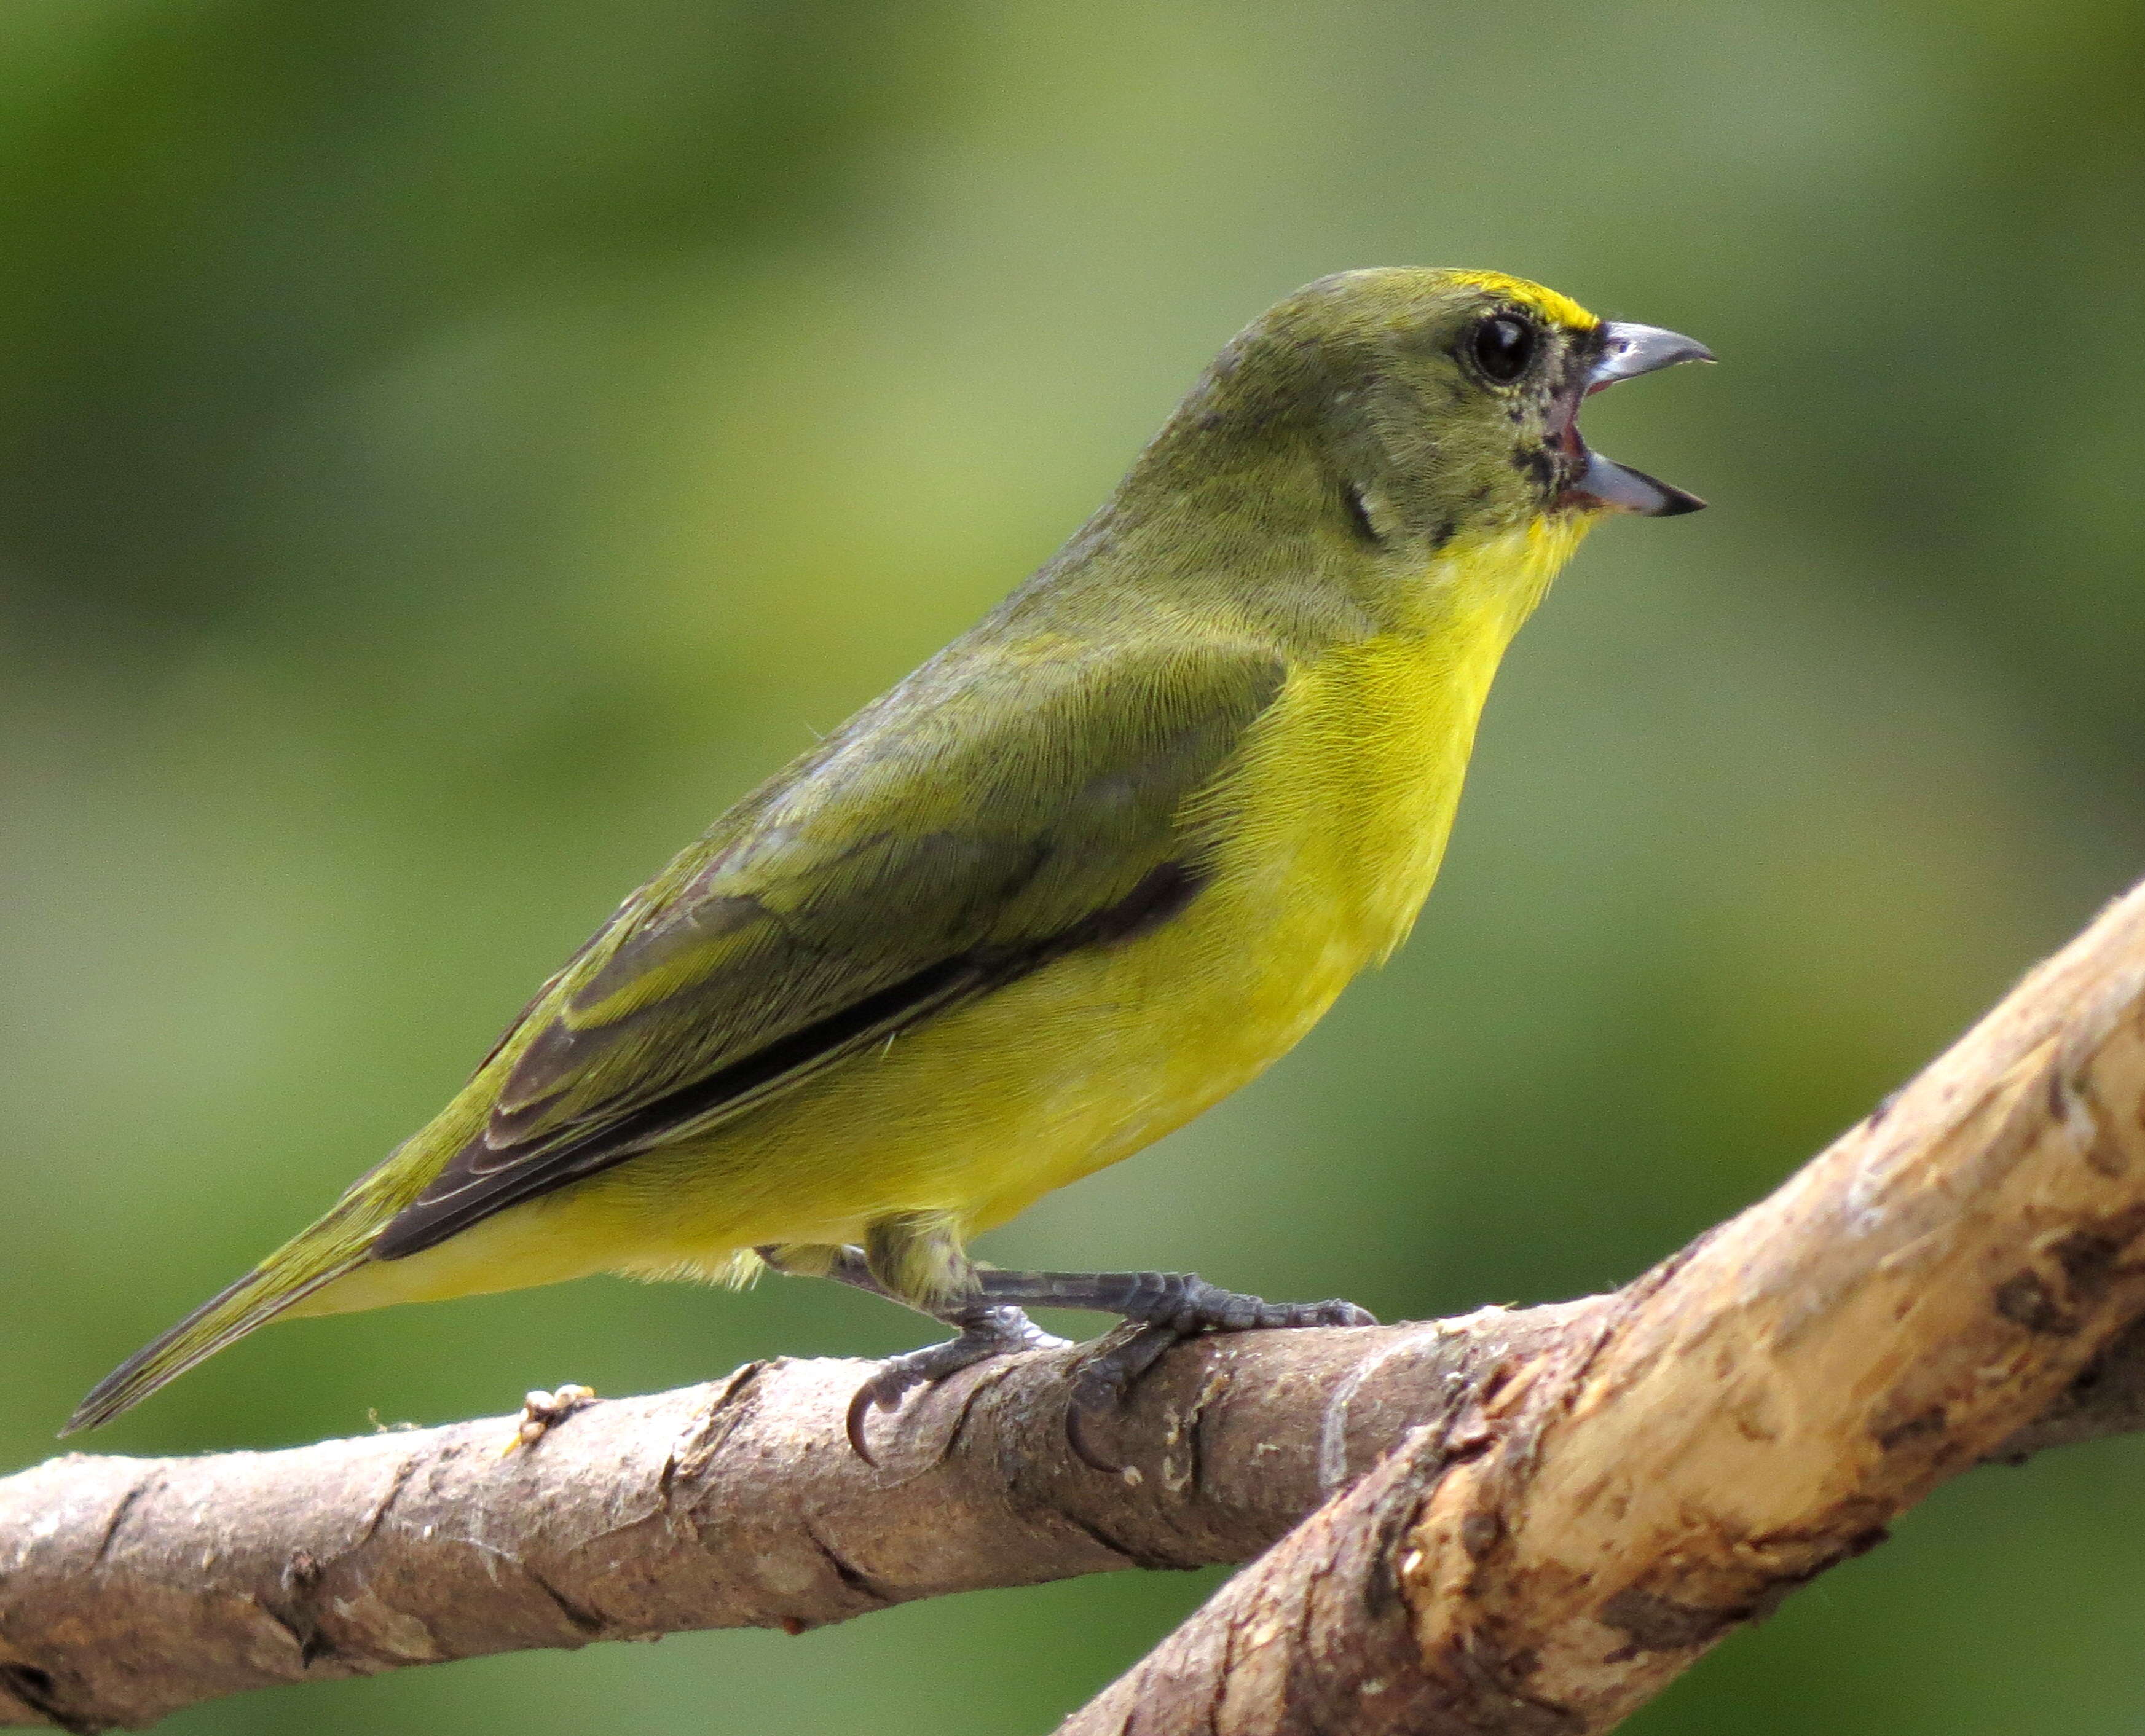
x=986, y=818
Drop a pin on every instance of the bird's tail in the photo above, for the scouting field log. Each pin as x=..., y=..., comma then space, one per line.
x=311, y=1259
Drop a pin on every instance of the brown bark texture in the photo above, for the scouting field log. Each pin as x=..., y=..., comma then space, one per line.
x=1520, y=1520
x=1952, y=1280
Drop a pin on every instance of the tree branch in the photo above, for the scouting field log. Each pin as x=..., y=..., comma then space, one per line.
x=1923, y=1296
x=1574, y=1500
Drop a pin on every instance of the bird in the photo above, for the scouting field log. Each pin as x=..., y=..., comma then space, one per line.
x=1089, y=869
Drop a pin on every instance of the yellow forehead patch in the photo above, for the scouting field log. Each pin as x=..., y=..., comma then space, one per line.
x=1561, y=309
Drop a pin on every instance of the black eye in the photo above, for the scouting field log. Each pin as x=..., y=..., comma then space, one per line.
x=1503, y=345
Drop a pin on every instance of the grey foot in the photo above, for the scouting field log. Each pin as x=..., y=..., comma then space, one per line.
x=992, y=1330
x=1171, y=1307
x=1182, y=1300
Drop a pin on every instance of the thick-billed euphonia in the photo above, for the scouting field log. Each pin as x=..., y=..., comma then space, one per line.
x=1091, y=868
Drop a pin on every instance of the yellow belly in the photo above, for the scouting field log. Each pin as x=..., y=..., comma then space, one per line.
x=1325, y=836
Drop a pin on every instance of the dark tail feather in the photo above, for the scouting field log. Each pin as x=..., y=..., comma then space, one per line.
x=255, y=1299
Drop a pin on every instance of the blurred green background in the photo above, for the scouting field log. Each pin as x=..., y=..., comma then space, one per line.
x=448, y=452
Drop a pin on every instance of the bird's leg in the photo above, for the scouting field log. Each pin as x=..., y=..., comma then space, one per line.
x=906, y=1261
x=1169, y=1307
x=989, y=1312
x=987, y=1329
x=821, y=1260
x=844, y=1265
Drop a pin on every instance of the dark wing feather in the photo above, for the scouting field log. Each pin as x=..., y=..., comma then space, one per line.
x=983, y=820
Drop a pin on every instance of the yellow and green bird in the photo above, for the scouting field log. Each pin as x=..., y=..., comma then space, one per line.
x=1091, y=868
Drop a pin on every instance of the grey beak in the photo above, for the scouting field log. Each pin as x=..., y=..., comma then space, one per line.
x=1618, y=488
x=1628, y=351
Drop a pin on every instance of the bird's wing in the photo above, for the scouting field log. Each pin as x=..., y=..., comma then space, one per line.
x=978, y=823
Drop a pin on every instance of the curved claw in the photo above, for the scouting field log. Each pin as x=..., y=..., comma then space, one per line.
x=852, y=1420
x=1076, y=1441
x=999, y=1330
x=1103, y=1380
x=1338, y=1313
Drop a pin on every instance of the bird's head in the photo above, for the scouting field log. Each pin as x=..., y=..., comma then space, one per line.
x=1431, y=408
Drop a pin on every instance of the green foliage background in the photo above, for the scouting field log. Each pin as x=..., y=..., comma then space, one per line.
x=447, y=452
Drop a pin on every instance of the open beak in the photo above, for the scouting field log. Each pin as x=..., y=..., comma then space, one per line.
x=1627, y=351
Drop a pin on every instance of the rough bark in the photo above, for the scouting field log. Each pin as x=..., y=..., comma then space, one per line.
x=1925, y=1295
x=130, y=1587
x=1519, y=1521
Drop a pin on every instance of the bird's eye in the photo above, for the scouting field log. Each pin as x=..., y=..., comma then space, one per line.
x=1503, y=345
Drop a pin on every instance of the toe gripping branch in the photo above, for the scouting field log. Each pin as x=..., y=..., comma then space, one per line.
x=1168, y=1307
x=987, y=1331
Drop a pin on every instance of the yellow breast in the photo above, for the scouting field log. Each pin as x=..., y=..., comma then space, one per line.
x=1334, y=821
x=1325, y=836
